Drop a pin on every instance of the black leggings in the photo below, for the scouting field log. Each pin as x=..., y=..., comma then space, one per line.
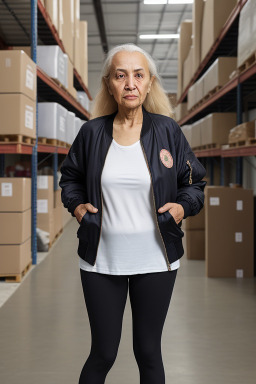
x=105, y=297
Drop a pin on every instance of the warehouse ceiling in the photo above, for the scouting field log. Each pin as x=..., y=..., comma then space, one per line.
x=124, y=21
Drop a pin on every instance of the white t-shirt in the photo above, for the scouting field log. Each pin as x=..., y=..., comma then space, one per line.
x=130, y=242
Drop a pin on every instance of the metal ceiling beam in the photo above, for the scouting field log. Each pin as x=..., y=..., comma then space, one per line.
x=101, y=24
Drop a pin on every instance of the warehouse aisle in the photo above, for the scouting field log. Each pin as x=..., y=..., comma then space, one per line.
x=209, y=334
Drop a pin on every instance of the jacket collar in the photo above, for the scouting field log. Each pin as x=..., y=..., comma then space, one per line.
x=147, y=121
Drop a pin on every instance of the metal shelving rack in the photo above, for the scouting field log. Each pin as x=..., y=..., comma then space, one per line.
x=229, y=98
x=37, y=21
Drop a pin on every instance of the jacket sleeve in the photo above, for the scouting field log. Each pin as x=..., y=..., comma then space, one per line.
x=73, y=178
x=190, y=173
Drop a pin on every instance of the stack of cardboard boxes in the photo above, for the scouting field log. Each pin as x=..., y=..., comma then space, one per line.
x=229, y=232
x=65, y=16
x=45, y=204
x=51, y=214
x=198, y=35
x=17, y=94
x=214, y=129
x=215, y=77
x=15, y=225
x=194, y=236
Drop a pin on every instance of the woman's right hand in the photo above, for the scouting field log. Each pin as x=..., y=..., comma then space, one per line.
x=81, y=210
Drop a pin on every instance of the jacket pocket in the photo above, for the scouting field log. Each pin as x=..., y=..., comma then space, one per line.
x=82, y=248
x=82, y=225
x=169, y=227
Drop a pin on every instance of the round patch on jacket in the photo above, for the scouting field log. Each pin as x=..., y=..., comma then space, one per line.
x=166, y=158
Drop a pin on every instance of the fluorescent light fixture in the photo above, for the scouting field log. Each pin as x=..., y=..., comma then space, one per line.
x=155, y=2
x=159, y=36
x=180, y=1
x=159, y=2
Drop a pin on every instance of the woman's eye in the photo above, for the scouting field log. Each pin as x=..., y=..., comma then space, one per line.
x=120, y=76
x=139, y=75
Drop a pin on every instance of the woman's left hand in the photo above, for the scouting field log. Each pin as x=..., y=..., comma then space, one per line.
x=176, y=210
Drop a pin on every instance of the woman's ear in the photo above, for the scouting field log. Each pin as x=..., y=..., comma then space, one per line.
x=151, y=81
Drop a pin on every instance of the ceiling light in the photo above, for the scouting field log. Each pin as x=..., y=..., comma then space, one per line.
x=154, y=2
x=163, y=36
x=158, y=2
x=180, y=1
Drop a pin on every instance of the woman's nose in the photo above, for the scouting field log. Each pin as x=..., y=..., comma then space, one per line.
x=130, y=83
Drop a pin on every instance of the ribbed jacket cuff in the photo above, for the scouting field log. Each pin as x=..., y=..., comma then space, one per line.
x=73, y=206
x=186, y=207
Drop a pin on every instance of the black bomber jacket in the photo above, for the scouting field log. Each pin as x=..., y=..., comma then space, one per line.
x=176, y=176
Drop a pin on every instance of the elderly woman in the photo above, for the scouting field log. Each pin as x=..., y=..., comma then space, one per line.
x=130, y=178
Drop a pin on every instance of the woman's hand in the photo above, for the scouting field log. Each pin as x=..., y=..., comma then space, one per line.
x=81, y=210
x=176, y=210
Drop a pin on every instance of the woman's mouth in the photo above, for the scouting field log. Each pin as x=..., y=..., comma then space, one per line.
x=130, y=97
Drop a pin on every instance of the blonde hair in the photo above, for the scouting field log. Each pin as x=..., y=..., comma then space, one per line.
x=156, y=100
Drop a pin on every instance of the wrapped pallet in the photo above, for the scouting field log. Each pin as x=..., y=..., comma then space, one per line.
x=242, y=132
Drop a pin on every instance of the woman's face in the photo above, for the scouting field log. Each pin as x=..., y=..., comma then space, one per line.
x=129, y=80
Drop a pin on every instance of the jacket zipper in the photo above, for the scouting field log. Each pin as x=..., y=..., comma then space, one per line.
x=167, y=261
x=190, y=173
x=101, y=207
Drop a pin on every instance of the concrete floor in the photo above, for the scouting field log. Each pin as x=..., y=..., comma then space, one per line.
x=209, y=335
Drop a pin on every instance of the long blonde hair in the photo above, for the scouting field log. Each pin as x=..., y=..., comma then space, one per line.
x=156, y=100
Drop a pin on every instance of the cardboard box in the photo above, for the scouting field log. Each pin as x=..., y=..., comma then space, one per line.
x=242, y=132
x=191, y=96
x=196, y=134
x=15, y=227
x=76, y=42
x=187, y=131
x=78, y=125
x=215, y=14
x=51, y=60
x=246, y=32
x=18, y=115
x=195, y=244
x=15, y=194
x=184, y=44
x=25, y=48
x=57, y=199
x=188, y=68
x=66, y=25
x=45, y=222
x=83, y=51
x=45, y=192
x=216, y=127
x=70, y=86
x=70, y=127
x=45, y=205
x=17, y=73
x=181, y=110
x=199, y=89
x=51, y=7
x=52, y=121
x=194, y=222
x=15, y=258
x=218, y=73
x=229, y=232
x=198, y=8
